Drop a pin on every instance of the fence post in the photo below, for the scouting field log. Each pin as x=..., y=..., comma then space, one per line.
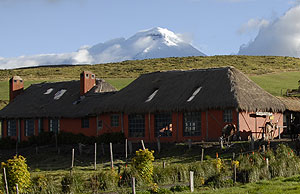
x=264, y=148
x=202, y=154
x=72, y=164
x=164, y=164
x=5, y=181
x=36, y=150
x=267, y=161
x=192, y=181
x=126, y=154
x=190, y=143
x=17, y=188
x=133, y=185
x=233, y=156
x=143, y=145
x=95, y=162
x=158, y=144
x=111, y=156
x=234, y=172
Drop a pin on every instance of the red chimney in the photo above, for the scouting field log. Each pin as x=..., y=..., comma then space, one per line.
x=16, y=86
x=87, y=82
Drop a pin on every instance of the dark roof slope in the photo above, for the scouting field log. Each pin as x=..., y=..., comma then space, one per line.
x=44, y=100
x=218, y=88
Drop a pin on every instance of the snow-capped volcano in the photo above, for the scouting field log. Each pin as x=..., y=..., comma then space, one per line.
x=154, y=43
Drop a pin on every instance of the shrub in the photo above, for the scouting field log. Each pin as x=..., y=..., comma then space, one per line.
x=105, y=180
x=39, y=183
x=17, y=173
x=142, y=162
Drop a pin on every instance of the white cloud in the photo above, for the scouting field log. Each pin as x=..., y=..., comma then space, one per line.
x=253, y=25
x=279, y=38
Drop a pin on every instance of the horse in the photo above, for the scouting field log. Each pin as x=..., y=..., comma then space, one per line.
x=229, y=132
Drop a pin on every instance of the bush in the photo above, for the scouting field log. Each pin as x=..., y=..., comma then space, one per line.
x=105, y=180
x=39, y=183
x=142, y=162
x=17, y=173
x=116, y=137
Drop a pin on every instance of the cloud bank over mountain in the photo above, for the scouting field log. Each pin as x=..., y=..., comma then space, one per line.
x=153, y=43
x=279, y=38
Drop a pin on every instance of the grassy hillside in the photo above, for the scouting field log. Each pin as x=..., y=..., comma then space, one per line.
x=251, y=65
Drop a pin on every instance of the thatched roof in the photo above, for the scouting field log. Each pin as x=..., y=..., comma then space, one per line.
x=291, y=103
x=59, y=99
x=218, y=88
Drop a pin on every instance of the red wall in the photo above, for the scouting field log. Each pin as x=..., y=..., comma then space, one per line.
x=211, y=126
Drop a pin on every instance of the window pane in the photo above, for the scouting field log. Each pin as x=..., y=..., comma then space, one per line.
x=54, y=125
x=163, y=124
x=192, y=124
x=114, y=120
x=227, y=116
x=29, y=127
x=85, y=123
x=11, y=128
x=41, y=125
x=136, y=125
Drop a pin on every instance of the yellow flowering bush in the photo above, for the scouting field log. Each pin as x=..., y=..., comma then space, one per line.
x=142, y=162
x=17, y=173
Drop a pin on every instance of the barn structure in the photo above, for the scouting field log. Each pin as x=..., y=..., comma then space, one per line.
x=172, y=105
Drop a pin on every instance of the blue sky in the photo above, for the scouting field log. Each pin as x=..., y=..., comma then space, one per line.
x=216, y=27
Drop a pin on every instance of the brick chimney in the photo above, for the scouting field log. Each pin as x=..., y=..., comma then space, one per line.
x=87, y=82
x=16, y=87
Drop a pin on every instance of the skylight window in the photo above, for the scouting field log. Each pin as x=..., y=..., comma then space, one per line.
x=194, y=94
x=49, y=91
x=151, y=96
x=59, y=94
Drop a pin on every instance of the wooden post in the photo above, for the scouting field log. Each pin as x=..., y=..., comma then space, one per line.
x=95, y=157
x=72, y=164
x=267, y=161
x=164, y=164
x=111, y=156
x=16, y=147
x=102, y=147
x=252, y=143
x=234, y=172
x=190, y=143
x=202, y=154
x=264, y=148
x=5, y=181
x=192, y=181
x=133, y=185
x=130, y=147
x=233, y=156
x=143, y=145
x=126, y=145
x=221, y=143
x=17, y=188
x=158, y=144
x=279, y=133
x=36, y=150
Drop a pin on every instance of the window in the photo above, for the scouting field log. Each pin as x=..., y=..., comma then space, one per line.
x=29, y=127
x=93, y=76
x=192, y=124
x=85, y=123
x=194, y=94
x=114, y=120
x=59, y=94
x=227, y=116
x=11, y=128
x=41, y=125
x=136, y=125
x=87, y=75
x=163, y=124
x=54, y=125
x=151, y=96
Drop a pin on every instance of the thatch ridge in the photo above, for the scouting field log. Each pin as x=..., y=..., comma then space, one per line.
x=221, y=88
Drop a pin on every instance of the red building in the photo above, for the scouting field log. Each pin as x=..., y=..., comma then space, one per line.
x=173, y=106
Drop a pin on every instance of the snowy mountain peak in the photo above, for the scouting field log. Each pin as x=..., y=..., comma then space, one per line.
x=167, y=36
x=152, y=43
